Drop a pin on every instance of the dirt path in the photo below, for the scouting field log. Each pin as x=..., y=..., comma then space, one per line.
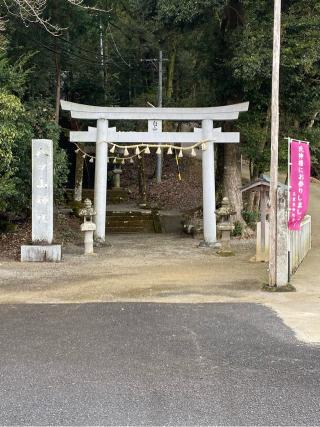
x=164, y=268
x=135, y=267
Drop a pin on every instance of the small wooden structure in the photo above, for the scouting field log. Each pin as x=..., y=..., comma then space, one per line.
x=261, y=185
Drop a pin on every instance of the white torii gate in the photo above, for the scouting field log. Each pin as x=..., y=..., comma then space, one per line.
x=103, y=135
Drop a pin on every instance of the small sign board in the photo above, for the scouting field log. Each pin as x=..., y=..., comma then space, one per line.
x=155, y=125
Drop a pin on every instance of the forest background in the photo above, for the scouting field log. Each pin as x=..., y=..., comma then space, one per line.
x=218, y=52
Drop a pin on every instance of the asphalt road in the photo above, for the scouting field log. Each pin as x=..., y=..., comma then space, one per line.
x=151, y=364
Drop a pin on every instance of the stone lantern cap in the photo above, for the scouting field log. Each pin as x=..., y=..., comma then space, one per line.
x=226, y=209
x=117, y=170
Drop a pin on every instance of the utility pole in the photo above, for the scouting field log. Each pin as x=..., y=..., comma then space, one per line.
x=160, y=96
x=274, y=144
x=103, y=59
x=160, y=62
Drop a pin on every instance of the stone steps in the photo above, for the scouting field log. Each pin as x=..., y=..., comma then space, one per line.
x=130, y=222
x=130, y=229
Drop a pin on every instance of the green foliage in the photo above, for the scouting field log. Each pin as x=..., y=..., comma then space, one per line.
x=237, y=230
x=39, y=123
x=7, y=226
x=251, y=218
x=19, y=123
x=14, y=77
x=10, y=111
x=177, y=11
x=254, y=132
x=217, y=51
x=250, y=65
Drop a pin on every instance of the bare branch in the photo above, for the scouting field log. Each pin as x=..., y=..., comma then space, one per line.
x=31, y=11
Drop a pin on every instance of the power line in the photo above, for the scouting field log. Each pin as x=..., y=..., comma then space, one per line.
x=90, y=51
x=81, y=58
x=84, y=50
x=116, y=47
x=72, y=44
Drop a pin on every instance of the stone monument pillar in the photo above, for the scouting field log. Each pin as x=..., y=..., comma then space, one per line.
x=42, y=205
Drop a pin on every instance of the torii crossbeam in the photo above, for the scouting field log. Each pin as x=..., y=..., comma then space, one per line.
x=103, y=135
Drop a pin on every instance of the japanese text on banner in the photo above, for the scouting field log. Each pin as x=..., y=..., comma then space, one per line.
x=299, y=183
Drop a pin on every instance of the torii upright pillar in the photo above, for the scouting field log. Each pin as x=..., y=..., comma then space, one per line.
x=208, y=186
x=100, y=180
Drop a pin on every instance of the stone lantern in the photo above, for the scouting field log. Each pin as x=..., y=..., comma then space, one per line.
x=225, y=226
x=116, y=177
x=88, y=226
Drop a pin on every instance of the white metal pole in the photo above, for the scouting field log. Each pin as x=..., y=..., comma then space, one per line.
x=274, y=144
x=208, y=185
x=100, y=180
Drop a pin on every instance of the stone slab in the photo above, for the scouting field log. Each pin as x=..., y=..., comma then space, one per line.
x=171, y=223
x=41, y=253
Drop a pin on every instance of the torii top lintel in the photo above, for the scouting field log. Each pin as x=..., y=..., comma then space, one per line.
x=90, y=112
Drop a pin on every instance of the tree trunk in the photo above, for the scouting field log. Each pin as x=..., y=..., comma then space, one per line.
x=256, y=170
x=219, y=172
x=232, y=183
x=58, y=84
x=296, y=124
x=103, y=49
x=315, y=115
x=78, y=176
x=232, y=179
x=142, y=180
x=171, y=65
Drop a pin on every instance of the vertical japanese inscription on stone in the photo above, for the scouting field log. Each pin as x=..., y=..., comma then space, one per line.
x=42, y=190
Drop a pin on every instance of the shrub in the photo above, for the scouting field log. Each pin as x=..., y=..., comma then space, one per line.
x=238, y=229
x=251, y=218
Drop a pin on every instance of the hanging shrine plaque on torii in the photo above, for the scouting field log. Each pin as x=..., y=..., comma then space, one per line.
x=102, y=135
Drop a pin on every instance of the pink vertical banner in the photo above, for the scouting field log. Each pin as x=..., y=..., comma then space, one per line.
x=299, y=183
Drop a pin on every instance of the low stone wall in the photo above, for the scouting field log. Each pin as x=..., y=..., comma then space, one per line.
x=171, y=222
